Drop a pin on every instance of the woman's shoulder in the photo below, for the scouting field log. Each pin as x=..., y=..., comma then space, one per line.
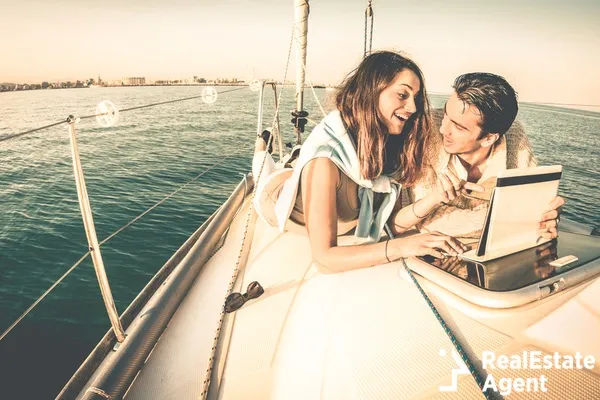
x=320, y=166
x=329, y=132
x=333, y=124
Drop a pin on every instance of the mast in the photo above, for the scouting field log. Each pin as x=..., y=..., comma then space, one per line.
x=301, y=11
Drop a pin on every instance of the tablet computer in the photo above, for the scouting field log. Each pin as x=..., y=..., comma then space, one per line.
x=518, y=278
x=516, y=205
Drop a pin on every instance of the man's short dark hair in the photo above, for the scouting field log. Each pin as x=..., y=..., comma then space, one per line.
x=493, y=96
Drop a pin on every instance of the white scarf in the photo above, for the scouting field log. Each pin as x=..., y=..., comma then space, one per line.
x=330, y=139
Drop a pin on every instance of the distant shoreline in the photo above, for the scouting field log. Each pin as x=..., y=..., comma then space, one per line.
x=103, y=86
x=237, y=84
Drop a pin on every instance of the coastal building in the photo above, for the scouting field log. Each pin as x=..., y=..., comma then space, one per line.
x=5, y=87
x=134, y=81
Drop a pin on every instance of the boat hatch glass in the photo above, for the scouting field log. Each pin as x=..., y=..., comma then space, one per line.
x=524, y=268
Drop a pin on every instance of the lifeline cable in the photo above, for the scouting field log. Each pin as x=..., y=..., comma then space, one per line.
x=121, y=111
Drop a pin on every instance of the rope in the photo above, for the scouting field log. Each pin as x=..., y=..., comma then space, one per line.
x=121, y=111
x=453, y=339
x=211, y=360
x=59, y=280
x=368, y=13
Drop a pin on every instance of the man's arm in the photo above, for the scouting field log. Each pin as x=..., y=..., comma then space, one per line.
x=447, y=189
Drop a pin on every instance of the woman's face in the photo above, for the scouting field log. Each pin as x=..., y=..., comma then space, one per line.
x=397, y=101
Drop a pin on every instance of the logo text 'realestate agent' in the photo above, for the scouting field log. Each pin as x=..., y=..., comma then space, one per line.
x=527, y=360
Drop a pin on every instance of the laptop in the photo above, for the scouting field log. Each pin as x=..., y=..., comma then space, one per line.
x=516, y=205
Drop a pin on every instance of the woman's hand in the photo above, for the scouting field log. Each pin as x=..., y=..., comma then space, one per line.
x=425, y=244
x=449, y=186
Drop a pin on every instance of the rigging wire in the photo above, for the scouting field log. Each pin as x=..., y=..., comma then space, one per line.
x=120, y=111
x=16, y=135
x=287, y=64
x=173, y=101
x=368, y=13
x=313, y=89
x=83, y=257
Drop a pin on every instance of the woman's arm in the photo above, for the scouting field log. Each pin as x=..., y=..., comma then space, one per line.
x=404, y=218
x=319, y=182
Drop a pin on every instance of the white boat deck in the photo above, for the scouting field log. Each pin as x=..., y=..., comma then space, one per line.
x=364, y=334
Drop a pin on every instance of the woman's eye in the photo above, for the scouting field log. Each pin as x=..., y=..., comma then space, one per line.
x=403, y=96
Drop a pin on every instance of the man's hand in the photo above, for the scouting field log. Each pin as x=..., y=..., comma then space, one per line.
x=450, y=186
x=544, y=256
x=549, y=219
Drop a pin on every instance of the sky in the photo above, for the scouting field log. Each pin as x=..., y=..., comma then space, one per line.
x=548, y=50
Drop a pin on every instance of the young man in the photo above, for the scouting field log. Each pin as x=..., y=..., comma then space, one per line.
x=477, y=140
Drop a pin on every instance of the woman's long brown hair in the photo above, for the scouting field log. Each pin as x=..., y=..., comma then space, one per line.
x=358, y=102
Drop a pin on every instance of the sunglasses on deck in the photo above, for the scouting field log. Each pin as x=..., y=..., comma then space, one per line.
x=236, y=300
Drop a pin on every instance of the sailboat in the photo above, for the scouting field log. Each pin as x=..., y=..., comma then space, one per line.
x=401, y=330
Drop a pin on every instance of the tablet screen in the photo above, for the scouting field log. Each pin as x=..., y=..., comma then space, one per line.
x=524, y=268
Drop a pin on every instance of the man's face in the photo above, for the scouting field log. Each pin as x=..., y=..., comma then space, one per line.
x=460, y=127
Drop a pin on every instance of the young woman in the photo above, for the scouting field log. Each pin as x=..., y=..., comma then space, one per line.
x=352, y=166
